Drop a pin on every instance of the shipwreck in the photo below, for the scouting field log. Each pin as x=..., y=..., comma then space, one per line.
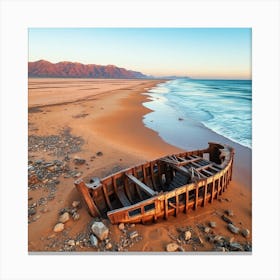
x=162, y=187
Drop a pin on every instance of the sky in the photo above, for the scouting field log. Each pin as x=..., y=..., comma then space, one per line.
x=223, y=53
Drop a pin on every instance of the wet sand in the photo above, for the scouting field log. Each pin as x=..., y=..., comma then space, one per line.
x=107, y=115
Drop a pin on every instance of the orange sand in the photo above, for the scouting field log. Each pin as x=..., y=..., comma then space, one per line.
x=111, y=122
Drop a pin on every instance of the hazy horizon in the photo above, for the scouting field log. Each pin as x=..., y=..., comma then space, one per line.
x=199, y=53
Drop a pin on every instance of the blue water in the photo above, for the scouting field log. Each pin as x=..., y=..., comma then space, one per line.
x=223, y=106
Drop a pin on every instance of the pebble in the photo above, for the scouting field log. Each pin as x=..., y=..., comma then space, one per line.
x=235, y=246
x=58, y=227
x=76, y=216
x=121, y=226
x=71, y=242
x=64, y=217
x=206, y=229
x=31, y=211
x=226, y=219
x=172, y=247
x=100, y=230
x=108, y=246
x=187, y=235
x=229, y=213
x=245, y=232
x=212, y=224
x=133, y=234
x=75, y=203
x=99, y=154
x=77, y=175
x=233, y=228
x=79, y=161
x=93, y=240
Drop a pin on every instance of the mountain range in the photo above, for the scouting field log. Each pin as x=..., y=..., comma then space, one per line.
x=66, y=69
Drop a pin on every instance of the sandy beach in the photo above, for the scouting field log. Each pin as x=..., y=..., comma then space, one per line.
x=100, y=121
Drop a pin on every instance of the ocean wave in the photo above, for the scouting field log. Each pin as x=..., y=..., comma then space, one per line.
x=222, y=106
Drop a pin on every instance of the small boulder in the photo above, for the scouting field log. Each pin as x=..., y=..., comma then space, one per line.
x=206, y=229
x=108, y=246
x=75, y=203
x=187, y=235
x=64, y=217
x=76, y=216
x=229, y=213
x=172, y=247
x=212, y=224
x=233, y=228
x=100, y=230
x=58, y=227
x=93, y=240
x=245, y=232
x=121, y=226
x=133, y=234
x=235, y=246
x=79, y=161
x=71, y=242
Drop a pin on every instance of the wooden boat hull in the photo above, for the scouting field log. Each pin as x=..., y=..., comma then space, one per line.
x=160, y=188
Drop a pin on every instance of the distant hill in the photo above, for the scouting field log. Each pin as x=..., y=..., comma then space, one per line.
x=65, y=69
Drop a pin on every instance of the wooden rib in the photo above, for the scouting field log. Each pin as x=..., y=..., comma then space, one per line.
x=208, y=172
x=136, y=186
x=126, y=187
x=104, y=189
x=144, y=187
x=179, y=163
x=187, y=200
x=177, y=204
x=196, y=197
x=205, y=193
x=166, y=208
x=153, y=176
x=212, y=192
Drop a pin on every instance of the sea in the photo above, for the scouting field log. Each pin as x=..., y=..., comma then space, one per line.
x=222, y=106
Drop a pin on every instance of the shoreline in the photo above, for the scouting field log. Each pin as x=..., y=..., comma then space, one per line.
x=111, y=123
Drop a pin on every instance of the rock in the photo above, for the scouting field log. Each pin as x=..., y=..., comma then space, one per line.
x=77, y=175
x=71, y=242
x=76, y=216
x=220, y=249
x=108, y=246
x=245, y=232
x=75, y=203
x=229, y=213
x=206, y=229
x=121, y=226
x=212, y=224
x=235, y=246
x=93, y=240
x=79, y=161
x=31, y=211
x=187, y=235
x=133, y=234
x=172, y=247
x=233, y=228
x=99, y=154
x=64, y=217
x=226, y=219
x=218, y=238
x=58, y=227
x=100, y=230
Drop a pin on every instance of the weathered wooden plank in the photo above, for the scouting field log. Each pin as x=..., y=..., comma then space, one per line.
x=104, y=188
x=205, y=194
x=144, y=187
x=187, y=200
